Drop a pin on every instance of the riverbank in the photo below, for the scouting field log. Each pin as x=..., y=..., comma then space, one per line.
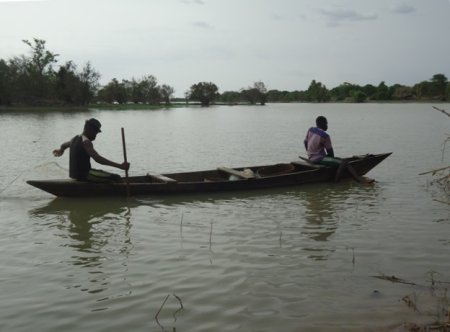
x=132, y=106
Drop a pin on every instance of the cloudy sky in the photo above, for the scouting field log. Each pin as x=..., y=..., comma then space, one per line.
x=234, y=43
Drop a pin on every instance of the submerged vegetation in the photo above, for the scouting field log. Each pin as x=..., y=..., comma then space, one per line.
x=441, y=176
x=37, y=80
x=430, y=302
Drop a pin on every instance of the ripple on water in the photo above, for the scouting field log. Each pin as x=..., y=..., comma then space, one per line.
x=292, y=259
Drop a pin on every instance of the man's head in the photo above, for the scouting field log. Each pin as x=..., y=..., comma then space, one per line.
x=322, y=122
x=92, y=128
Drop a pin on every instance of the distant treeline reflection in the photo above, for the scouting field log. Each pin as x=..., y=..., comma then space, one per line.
x=37, y=80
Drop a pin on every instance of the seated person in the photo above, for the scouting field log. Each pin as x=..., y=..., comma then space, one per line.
x=320, y=150
x=81, y=152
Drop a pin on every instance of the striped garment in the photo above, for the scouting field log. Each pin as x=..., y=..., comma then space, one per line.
x=317, y=144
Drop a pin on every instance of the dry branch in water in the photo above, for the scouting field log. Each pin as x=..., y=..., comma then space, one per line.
x=174, y=314
x=162, y=305
x=181, y=307
x=441, y=110
x=434, y=171
x=410, y=303
x=442, y=175
x=394, y=279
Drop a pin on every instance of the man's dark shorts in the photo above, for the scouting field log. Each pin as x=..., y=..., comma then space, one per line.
x=98, y=175
x=329, y=161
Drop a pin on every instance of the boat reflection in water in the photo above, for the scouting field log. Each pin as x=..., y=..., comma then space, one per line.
x=91, y=230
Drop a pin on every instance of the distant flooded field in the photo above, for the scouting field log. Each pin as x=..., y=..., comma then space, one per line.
x=327, y=257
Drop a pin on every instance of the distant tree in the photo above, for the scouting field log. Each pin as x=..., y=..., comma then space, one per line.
x=342, y=92
x=422, y=89
x=144, y=90
x=439, y=85
x=382, y=92
x=402, y=92
x=149, y=86
x=250, y=95
x=73, y=87
x=39, y=69
x=66, y=82
x=166, y=92
x=205, y=92
x=317, y=92
x=261, y=92
x=136, y=93
x=20, y=88
x=33, y=80
x=114, y=92
x=230, y=97
x=41, y=59
x=297, y=96
x=6, y=84
x=274, y=96
x=369, y=90
x=89, y=79
x=358, y=96
x=435, y=88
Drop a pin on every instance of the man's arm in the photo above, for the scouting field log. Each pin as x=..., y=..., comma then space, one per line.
x=89, y=147
x=330, y=153
x=305, y=142
x=59, y=152
x=329, y=147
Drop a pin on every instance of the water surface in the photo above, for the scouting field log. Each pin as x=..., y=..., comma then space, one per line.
x=292, y=259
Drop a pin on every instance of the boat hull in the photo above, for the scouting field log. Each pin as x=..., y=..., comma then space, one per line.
x=219, y=180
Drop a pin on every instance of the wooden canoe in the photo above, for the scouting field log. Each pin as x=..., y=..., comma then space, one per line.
x=220, y=179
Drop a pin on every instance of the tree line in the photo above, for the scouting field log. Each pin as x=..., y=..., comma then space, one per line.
x=36, y=79
x=437, y=88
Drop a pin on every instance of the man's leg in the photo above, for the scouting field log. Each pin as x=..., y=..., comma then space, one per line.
x=97, y=175
x=342, y=164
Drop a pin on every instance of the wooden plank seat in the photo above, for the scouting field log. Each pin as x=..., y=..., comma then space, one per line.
x=237, y=173
x=161, y=178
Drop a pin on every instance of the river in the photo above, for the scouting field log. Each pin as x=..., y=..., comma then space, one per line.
x=293, y=259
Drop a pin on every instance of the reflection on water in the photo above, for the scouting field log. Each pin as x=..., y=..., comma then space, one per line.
x=256, y=261
x=321, y=222
x=248, y=257
x=318, y=210
x=320, y=215
x=94, y=229
x=325, y=205
x=305, y=218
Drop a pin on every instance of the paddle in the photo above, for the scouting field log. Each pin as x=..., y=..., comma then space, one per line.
x=125, y=159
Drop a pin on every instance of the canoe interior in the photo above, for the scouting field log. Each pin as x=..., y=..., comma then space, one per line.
x=217, y=175
x=264, y=171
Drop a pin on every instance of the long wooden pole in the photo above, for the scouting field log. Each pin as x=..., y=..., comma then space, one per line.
x=125, y=159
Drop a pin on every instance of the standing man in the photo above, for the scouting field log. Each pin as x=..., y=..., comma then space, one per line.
x=320, y=150
x=82, y=150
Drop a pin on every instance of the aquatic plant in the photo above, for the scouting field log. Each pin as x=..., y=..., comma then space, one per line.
x=438, y=316
x=441, y=176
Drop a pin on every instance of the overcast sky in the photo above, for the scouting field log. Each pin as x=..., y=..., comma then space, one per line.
x=234, y=43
